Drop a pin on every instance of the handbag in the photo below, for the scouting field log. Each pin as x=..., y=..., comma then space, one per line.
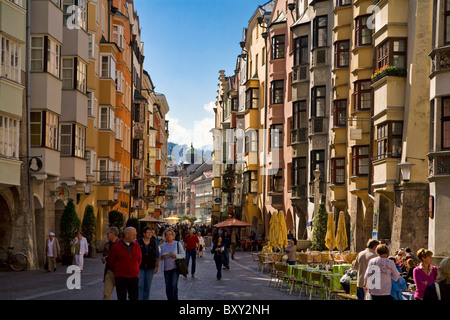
x=181, y=264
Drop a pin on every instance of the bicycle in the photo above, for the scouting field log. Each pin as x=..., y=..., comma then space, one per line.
x=16, y=261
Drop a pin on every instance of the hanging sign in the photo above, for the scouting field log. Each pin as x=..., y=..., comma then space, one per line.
x=62, y=193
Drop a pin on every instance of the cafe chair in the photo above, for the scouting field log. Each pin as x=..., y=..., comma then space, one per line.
x=315, y=284
x=295, y=280
x=329, y=291
x=305, y=282
x=256, y=259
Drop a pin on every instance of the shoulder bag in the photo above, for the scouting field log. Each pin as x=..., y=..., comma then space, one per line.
x=181, y=264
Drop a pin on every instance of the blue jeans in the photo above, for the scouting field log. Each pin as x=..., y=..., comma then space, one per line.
x=191, y=253
x=360, y=293
x=145, y=282
x=171, y=279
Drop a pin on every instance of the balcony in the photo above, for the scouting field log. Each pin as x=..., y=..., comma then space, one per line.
x=109, y=178
x=300, y=73
x=388, y=71
x=439, y=164
x=298, y=192
x=299, y=135
x=318, y=126
x=440, y=59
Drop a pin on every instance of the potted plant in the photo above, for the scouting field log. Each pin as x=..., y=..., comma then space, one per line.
x=69, y=225
x=88, y=227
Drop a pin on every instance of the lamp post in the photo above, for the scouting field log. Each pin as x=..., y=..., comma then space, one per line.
x=405, y=169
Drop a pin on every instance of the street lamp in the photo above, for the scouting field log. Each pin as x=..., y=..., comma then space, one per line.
x=405, y=168
x=245, y=52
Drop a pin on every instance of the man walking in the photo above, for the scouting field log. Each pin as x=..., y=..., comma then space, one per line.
x=234, y=241
x=190, y=246
x=81, y=249
x=361, y=263
x=112, y=235
x=124, y=259
x=52, y=251
x=149, y=264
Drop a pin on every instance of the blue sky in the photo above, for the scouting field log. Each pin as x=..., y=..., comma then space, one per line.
x=186, y=43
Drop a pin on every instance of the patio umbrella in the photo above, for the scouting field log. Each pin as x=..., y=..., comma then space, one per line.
x=341, y=234
x=149, y=219
x=232, y=223
x=282, y=236
x=330, y=239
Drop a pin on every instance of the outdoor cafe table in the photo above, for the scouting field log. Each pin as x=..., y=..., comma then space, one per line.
x=341, y=268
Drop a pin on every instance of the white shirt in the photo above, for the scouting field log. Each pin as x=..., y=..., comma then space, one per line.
x=50, y=248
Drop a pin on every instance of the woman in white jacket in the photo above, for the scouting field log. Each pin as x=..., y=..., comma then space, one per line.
x=170, y=251
x=81, y=249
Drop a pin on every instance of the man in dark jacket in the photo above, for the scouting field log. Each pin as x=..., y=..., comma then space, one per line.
x=108, y=278
x=149, y=264
x=226, y=239
x=124, y=259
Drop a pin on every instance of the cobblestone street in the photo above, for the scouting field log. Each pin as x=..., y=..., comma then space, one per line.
x=241, y=282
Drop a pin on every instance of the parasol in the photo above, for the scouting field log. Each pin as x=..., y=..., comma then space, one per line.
x=232, y=222
x=341, y=234
x=149, y=219
x=330, y=239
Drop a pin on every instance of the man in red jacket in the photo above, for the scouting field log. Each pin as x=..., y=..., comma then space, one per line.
x=124, y=259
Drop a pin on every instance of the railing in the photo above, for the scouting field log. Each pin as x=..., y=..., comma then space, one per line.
x=317, y=125
x=109, y=178
x=298, y=192
x=439, y=164
x=300, y=73
x=299, y=135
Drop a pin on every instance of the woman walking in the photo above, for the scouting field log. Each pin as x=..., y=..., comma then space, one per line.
x=425, y=274
x=218, y=250
x=170, y=251
x=385, y=269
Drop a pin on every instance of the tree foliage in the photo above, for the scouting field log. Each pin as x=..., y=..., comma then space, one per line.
x=88, y=227
x=320, y=229
x=69, y=225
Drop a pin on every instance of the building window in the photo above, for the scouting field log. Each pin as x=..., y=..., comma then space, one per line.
x=341, y=53
x=276, y=181
x=301, y=51
x=73, y=140
x=338, y=170
x=234, y=104
x=66, y=139
x=108, y=67
x=298, y=172
x=342, y=3
x=74, y=74
x=446, y=122
x=119, y=81
x=447, y=22
x=389, y=140
x=276, y=136
x=36, y=129
x=18, y=2
x=51, y=130
x=118, y=37
x=317, y=160
x=299, y=117
x=363, y=35
x=250, y=184
x=9, y=137
x=92, y=52
x=106, y=118
x=251, y=98
x=360, y=160
x=48, y=60
x=276, y=91
x=392, y=52
x=320, y=32
x=363, y=95
x=318, y=102
x=49, y=136
x=251, y=141
x=340, y=113
x=11, y=57
x=278, y=47
x=75, y=14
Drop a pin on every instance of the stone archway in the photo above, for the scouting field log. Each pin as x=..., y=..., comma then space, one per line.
x=5, y=225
